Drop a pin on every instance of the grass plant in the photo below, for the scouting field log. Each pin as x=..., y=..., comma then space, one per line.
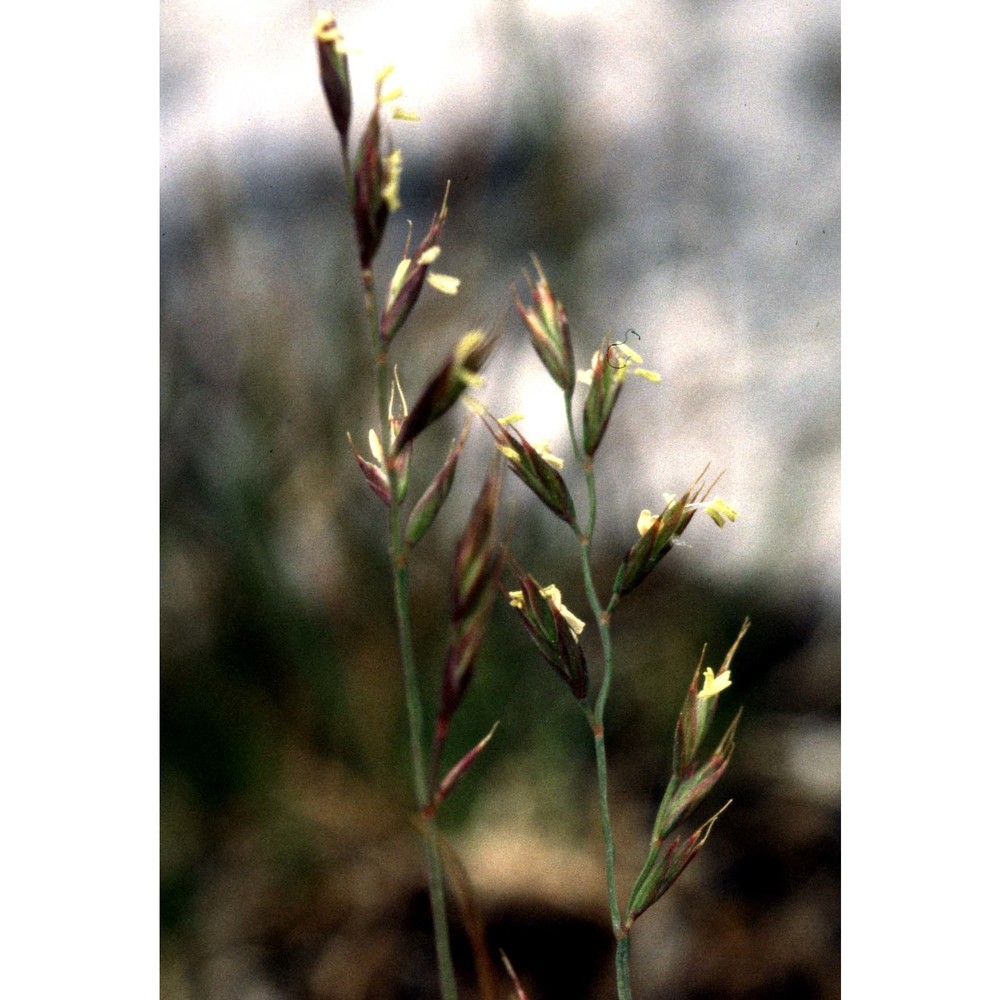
x=372, y=174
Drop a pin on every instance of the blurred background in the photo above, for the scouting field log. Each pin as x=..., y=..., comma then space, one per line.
x=675, y=167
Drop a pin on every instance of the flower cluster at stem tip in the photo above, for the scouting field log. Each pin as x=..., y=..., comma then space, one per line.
x=713, y=685
x=624, y=353
x=394, y=423
x=553, y=593
x=717, y=509
x=540, y=445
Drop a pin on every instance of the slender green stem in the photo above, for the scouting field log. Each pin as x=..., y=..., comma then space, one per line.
x=595, y=716
x=411, y=684
x=414, y=710
x=602, y=793
x=439, y=913
x=622, y=973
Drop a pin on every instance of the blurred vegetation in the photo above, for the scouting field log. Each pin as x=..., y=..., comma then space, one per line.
x=289, y=866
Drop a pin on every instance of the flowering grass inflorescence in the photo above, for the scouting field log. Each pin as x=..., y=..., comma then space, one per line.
x=555, y=630
x=373, y=183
